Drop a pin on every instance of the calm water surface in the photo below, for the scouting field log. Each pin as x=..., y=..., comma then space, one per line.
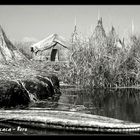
x=121, y=104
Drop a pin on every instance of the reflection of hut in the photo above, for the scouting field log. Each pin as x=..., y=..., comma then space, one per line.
x=52, y=48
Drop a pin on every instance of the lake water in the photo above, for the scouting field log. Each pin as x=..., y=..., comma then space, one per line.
x=121, y=104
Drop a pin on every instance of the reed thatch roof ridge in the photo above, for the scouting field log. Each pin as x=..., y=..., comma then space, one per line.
x=49, y=42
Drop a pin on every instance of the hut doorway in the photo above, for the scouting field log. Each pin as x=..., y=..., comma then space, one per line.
x=54, y=55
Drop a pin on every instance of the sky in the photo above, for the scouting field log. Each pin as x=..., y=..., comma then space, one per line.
x=21, y=22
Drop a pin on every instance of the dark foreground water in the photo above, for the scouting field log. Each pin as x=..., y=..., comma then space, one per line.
x=121, y=104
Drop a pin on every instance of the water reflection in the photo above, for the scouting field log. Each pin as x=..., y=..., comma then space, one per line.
x=122, y=104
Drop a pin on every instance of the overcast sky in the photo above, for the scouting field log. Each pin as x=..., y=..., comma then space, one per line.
x=39, y=21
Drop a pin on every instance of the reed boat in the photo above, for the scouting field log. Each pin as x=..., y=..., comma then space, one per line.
x=67, y=121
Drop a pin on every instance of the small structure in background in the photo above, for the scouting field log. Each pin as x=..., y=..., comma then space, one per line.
x=52, y=48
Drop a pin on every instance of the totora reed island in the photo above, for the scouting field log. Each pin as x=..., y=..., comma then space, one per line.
x=71, y=80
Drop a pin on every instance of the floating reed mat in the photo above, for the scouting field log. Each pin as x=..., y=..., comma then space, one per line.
x=64, y=120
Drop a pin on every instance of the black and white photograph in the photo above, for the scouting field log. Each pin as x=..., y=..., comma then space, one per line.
x=69, y=70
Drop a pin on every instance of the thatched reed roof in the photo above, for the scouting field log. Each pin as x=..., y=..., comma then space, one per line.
x=50, y=42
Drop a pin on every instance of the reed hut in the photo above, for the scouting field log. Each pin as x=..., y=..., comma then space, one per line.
x=52, y=48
